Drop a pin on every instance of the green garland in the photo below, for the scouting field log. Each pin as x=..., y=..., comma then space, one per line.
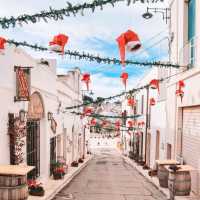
x=98, y=116
x=90, y=57
x=59, y=14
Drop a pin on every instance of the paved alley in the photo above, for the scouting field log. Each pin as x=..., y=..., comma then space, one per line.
x=108, y=177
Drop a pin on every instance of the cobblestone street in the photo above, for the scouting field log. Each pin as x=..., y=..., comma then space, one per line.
x=109, y=177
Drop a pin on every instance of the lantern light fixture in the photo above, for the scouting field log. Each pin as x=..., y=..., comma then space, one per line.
x=22, y=115
x=50, y=116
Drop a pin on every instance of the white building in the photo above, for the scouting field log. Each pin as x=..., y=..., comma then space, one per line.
x=49, y=134
x=183, y=117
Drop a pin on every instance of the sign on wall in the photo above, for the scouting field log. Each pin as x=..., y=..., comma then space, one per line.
x=22, y=83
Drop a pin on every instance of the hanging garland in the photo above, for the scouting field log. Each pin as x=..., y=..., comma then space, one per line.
x=90, y=57
x=59, y=14
x=97, y=116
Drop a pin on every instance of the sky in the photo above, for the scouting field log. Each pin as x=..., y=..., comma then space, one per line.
x=95, y=33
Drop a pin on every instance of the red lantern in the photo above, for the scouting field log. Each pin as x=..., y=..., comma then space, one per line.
x=117, y=125
x=152, y=102
x=86, y=79
x=93, y=122
x=2, y=43
x=124, y=77
x=104, y=123
x=130, y=124
x=87, y=111
x=130, y=41
x=131, y=102
x=59, y=42
x=179, y=91
x=154, y=84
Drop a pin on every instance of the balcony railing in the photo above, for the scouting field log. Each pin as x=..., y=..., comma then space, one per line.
x=189, y=53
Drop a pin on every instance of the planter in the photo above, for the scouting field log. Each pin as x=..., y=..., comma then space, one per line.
x=39, y=191
x=57, y=176
x=80, y=160
x=74, y=164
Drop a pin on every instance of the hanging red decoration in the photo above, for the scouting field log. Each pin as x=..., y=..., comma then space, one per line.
x=130, y=124
x=87, y=110
x=134, y=123
x=154, y=84
x=179, y=91
x=152, y=102
x=59, y=42
x=141, y=124
x=131, y=102
x=117, y=125
x=2, y=43
x=93, y=122
x=124, y=77
x=130, y=41
x=86, y=79
x=104, y=123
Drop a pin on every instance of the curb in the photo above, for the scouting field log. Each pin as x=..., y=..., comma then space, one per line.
x=130, y=162
x=67, y=181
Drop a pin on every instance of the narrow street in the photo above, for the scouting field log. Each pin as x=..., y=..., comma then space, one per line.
x=109, y=177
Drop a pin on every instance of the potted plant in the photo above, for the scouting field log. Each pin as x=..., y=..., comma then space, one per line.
x=35, y=189
x=74, y=164
x=58, y=170
x=80, y=160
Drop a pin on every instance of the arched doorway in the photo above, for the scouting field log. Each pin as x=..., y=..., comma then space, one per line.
x=35, y=114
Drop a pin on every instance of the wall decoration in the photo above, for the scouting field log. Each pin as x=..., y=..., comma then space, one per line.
x=17, y=133
x=22, y=83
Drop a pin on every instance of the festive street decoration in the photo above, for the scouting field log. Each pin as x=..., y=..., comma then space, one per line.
x=154, y=84
x=93, y=122
x=141, y=124
x=2, y=43
x=179, y=91
x=87, y=111
x=98, y=116
x=152, y=102
x=104, y=123
x=86, y=79
x=58, y=43
x=124, y=77
x=130, y=41
x=130, y=124
x=131, y=102
x=59, y=14
x=98, y=59
x=117, y=125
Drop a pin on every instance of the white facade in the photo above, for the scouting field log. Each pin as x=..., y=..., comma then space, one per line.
x=54, y=94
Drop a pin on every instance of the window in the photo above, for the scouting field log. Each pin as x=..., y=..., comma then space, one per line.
x=191, y=29
x=142, y=104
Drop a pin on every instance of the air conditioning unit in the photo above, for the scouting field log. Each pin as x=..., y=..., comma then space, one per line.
x=180, y=159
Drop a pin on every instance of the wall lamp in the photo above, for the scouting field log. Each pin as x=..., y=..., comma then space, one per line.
x=50, y=116
x=164, y=11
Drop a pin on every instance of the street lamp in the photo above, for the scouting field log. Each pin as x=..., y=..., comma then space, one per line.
x=164, y=11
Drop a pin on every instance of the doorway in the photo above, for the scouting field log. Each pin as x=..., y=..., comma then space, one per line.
x=52, y=153
x=33, y=147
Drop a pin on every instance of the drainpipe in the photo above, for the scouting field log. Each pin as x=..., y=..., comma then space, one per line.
x=147, y=123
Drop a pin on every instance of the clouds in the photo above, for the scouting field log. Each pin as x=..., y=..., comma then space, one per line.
x=94, y=33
